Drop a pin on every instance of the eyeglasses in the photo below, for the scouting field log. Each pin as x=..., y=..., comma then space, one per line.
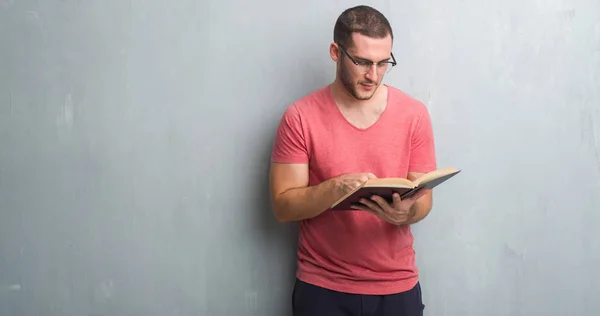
x=364, y=66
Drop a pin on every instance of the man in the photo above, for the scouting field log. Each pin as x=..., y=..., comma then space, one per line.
x=355, y=262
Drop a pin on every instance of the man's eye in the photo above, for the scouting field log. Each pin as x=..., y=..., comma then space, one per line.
x=364, y=63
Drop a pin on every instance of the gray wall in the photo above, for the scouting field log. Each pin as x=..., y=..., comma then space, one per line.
x=129, y=185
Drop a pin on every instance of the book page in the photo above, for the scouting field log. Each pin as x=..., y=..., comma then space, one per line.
x=390, y=182
x=433, y=175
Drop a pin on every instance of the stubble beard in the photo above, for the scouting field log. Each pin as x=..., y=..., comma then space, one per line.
x=352, y=87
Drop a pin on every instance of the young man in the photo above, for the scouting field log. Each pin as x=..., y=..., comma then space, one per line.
x=361, y=261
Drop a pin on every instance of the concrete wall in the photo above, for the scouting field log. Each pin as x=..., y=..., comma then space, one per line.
x=135, y=139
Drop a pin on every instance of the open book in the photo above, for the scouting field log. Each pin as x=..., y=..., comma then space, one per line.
x=385, y=187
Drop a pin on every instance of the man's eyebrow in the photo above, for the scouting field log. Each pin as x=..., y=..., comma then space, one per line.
x=366, y=59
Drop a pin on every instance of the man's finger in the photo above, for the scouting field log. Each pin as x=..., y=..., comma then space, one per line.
x=361, y=207
x=380, y=201
x=396, y=198
x=372, y=205
x=368, y=210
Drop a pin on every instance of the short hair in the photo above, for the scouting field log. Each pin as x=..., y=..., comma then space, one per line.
x=361, y=19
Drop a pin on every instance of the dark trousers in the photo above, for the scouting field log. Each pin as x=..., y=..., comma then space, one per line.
x=311, y=300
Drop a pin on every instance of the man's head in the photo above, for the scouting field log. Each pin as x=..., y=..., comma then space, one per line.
x=362, y=48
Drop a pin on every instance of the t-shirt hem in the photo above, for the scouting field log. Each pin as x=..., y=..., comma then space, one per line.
x=360, y=287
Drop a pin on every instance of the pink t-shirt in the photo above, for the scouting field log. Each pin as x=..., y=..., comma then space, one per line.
x=354, y=251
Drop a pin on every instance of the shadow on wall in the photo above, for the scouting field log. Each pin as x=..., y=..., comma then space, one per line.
x=314, y=71
x=267, y=225
x=279, y=240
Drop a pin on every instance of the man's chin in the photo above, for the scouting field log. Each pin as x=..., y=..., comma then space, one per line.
x=365, y=93
x=363, y=97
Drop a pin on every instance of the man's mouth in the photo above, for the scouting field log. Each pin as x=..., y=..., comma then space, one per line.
x=368, y=85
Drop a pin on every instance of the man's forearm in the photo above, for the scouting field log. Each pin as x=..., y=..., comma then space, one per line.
x=302, y=203
x=419, y=210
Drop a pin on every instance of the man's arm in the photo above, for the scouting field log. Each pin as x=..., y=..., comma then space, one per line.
x=292, y=198
x=422, y=160
x=422, y=206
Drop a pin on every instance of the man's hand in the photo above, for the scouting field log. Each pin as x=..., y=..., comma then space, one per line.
x=400, y=212
x=348, y=182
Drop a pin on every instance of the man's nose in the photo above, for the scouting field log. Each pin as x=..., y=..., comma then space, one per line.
x=372, y=73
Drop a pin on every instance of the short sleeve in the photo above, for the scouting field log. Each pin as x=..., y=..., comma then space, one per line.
x=422, y=155
x=290, y=144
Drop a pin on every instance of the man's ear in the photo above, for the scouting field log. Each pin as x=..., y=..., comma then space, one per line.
x=334, y=52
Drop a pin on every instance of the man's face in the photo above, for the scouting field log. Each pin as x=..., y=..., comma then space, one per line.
x=364, y=49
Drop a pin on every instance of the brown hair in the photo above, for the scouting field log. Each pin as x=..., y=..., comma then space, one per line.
x=361, y=19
